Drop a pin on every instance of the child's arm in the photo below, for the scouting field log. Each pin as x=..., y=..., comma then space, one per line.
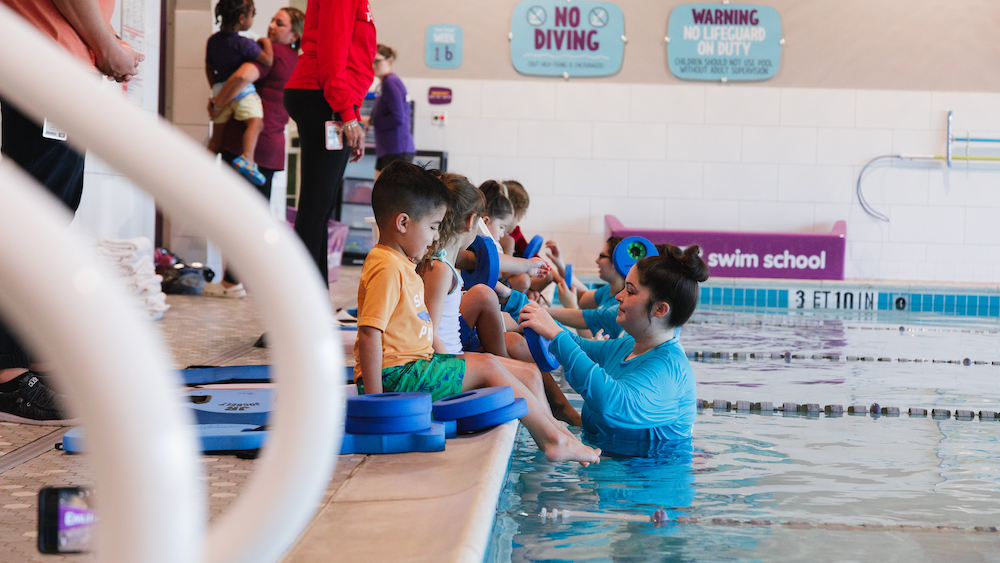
x=266, y=56
x=587, y=300
x=556, y=257
x=569, y=317
x=370, y=358
x=247, y=74
x=536, y=267
x=210, y=74
x=437, y=282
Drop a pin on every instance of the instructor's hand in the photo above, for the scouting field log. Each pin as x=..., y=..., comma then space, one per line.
x=538, y=319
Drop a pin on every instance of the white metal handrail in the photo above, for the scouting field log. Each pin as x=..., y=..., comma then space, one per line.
x=284, y=491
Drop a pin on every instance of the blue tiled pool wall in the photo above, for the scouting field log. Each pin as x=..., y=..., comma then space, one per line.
x=954, y=304
x=744, y=297
x=942, y=303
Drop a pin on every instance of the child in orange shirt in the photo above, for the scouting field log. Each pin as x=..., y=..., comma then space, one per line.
x=394, y=349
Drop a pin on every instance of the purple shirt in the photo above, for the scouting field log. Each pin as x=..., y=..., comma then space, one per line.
x=391, y=118
x=226, y=51
x=270, y=151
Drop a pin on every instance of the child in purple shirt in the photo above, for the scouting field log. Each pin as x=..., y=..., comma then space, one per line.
x=225, y=52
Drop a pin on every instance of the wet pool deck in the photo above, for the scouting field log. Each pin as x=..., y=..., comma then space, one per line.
x=406, y=507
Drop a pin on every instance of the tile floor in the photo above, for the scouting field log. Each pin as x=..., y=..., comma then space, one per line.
x=196, y=329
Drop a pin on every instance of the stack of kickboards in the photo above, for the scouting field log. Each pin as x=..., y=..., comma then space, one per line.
x=132, y=261
x=409, y=422
x=480, y=409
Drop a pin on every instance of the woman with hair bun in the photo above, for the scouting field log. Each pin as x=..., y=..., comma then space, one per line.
x=638, y=387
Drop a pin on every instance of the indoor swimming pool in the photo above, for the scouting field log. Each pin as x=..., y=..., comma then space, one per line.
x=790, y=486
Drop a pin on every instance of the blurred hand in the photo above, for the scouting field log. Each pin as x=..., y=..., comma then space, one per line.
x=120, y=63
x=213, y=111
x=567, y=296
x=354, y=138
x=538, y=268
x=553, y=249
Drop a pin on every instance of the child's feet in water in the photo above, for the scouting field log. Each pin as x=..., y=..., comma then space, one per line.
x=571, y=449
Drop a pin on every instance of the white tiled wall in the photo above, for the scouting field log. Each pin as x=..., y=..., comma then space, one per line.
x=730, y=157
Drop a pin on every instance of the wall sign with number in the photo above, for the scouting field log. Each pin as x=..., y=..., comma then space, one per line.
x=559, y=38
x=724, y=42
x=443, y=47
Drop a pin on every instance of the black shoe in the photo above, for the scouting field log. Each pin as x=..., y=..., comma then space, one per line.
x=31, y=403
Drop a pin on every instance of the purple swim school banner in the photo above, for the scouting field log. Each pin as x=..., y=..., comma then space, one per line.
x=798, y=256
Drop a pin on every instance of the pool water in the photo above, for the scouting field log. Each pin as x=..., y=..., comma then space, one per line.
x=816, y=486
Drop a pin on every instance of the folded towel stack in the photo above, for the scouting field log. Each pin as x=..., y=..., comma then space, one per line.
x=132, y=261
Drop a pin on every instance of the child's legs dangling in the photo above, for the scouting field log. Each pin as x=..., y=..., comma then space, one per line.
x=556, y=399
x=485, y=370
x=481, y=309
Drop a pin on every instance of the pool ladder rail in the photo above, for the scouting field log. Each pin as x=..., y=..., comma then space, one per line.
x=74, y=314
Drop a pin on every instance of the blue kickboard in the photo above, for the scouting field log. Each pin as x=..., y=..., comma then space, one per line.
x=470, y=403
x=261, y=373
x=534, y=245
x=229, y=437
x=203, y=376
x=388, y=424
x=213, y=438
x=389, y=404
x=539, y=348
x=450, y=428
x=629, y=251
x=232, y=406
x=431, y=440
x=517, y=409
x=487, y=270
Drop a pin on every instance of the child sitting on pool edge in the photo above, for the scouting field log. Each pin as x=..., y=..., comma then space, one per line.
x=394, y=350
x=472, y=321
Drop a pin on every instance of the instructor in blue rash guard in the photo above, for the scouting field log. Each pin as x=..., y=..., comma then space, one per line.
x=638, y=387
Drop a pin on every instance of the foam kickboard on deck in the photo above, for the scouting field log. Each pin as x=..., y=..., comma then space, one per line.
x=257, y=374
x=232, y=406
x=212, y=438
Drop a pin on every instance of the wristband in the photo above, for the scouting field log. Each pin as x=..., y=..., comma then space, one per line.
x=353, y=122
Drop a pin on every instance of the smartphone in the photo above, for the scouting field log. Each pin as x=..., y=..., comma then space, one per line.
x=65, y=520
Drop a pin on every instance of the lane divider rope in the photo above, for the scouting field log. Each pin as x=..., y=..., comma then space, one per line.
x=876, y=410
x=660, y=518
x=834, y=325
x=788, y=357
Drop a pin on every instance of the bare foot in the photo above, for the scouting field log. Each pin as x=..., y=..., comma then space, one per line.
x=566, y=449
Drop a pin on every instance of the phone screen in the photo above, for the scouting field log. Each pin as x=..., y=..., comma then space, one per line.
x=66, y=520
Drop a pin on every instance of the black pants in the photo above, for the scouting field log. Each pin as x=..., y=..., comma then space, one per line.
x=322, y=171
x=264, y=190
x=56, y=166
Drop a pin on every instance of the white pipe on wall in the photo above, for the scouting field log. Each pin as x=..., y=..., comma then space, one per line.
x=295, y=466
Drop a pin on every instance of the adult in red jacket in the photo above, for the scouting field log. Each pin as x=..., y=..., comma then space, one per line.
x=328, y=85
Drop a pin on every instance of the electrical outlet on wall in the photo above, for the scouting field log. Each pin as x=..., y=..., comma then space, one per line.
x=439, y=118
